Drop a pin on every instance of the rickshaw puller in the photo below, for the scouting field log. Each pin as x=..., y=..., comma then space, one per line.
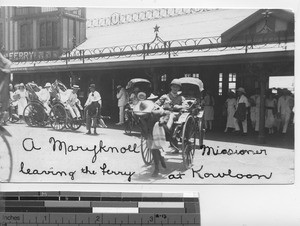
x=170, y=101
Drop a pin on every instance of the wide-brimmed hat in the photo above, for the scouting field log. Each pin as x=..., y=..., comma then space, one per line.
x=142, y=96
x=176, y=82
x=241, y=89
x=152, y=97
x=21, y=85
x=47, y=85
x=92, y=86
x=75, y=87
x=143, y=107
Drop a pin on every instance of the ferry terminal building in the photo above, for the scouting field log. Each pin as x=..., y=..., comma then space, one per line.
x=225, y=48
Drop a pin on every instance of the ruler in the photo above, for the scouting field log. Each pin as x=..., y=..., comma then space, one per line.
x=98, y=208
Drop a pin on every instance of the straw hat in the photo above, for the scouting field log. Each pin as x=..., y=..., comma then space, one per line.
x=47, y=85
x=143, y=107
x=176, y=82
x=141, y=96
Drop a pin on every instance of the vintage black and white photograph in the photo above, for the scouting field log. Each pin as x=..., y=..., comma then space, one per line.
x=147, y=95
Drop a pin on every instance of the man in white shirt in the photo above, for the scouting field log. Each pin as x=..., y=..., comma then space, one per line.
x=92, y=108
x=243, y=104
x=73, y=101
x=94, y=96
x=284, y=107
x=44, y=96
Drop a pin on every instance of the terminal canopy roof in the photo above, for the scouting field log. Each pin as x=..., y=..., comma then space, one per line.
x=219, y=25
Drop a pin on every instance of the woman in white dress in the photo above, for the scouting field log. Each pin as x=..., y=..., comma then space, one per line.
x=270, y=104
x=230, y=104
x=21, y=95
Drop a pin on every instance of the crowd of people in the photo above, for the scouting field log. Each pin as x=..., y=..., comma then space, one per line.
x=238, y=108
x=278, y=111
x=20, y=97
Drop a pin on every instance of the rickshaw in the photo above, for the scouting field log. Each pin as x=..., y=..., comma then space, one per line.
x=191, y=90
x=34, y=113
x=144, y=86
x=59, y=116
x=188, y=128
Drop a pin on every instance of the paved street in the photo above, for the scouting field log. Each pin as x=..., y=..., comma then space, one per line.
x=36, y=158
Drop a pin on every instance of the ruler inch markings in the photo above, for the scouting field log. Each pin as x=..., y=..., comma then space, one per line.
x=76, y=208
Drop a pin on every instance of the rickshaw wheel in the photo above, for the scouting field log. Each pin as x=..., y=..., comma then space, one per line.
x=34, y=114
x=58, y=117
x=146, y=152
x=68, y=120
x=75, y=124
x=201, y=131
x=176, y=137
x=188, y=141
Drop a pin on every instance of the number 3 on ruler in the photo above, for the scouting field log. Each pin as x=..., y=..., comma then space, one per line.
x=151, y=219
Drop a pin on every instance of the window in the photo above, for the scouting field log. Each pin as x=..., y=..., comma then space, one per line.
x=48, y=34
x=220, y=84
x=164, y=78
x=232, y=82
x=24, y=36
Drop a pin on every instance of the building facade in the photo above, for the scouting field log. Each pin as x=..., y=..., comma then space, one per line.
x=39, y=33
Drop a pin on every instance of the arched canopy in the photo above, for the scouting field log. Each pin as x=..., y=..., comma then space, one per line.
x=191, y=86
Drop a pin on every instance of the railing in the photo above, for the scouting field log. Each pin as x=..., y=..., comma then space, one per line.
x=159, y=47
x=117, y=18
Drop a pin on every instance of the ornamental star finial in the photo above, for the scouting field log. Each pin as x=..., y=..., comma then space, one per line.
x=266, y=13
x=156, y=28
